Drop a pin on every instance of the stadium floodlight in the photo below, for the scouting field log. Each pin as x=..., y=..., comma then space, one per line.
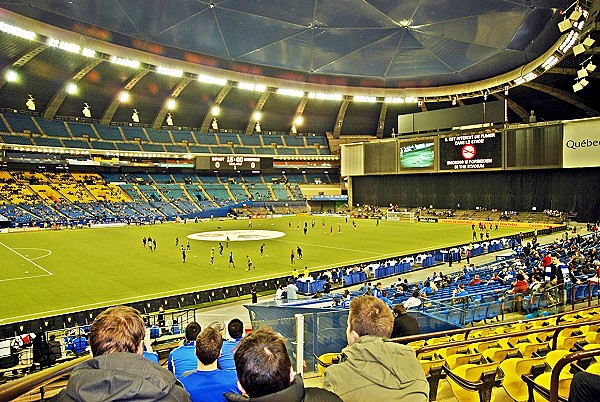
x=169, y=119
x=584, y=82
x=212, y=80
x=125, y=62
x=123, y=96
x=454, y=98
x=171, y=104
x=565, y=25
x=588, y=42
x=591, y=67
x=290, y=92
x=135, y=116
x=11, y=76
x=582, y=73
x=88, y=52
x=577, y=87
x=365, y=99
x=16, y=31
x=215, y=111
x=169, y=71
x=30, y=103
x=298, y=120
x=575, y=15
x=87, y=112
x=71, y=88
x=325, y=96
x=256, y=116
x=578, y=49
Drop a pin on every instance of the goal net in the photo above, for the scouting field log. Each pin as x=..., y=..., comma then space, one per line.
x=401, y=216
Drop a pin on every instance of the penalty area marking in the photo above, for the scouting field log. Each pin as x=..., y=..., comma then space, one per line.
x=236, y=235
x=28, y=260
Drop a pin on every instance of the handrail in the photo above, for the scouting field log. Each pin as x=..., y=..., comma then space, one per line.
x=562, y=362
x=466, y=331
x=21, y=386
x=466, y=342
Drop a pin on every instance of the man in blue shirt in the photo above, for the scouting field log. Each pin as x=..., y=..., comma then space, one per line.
x=183, y=358
x=236, y=330
x=207, y=382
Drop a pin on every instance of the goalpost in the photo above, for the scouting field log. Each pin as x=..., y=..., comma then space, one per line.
x=400, y=216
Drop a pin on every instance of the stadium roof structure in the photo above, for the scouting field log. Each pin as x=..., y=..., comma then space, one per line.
x=446, y=52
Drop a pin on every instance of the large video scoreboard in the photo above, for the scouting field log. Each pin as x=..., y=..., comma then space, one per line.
x=471, y=151
x=232, y=163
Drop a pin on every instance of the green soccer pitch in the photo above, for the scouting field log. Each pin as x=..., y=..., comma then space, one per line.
x=48, y=272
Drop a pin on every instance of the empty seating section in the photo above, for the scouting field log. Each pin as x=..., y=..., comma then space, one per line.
x=161, y=177
x=153, y=148
x=238, y=192
x=218, y=193
x=227, y=138
x=269, y=139
x=208, y=179
x=79, y=130
x=180, y=136
x=281, y=192
x=130, y=138
x=251, y=140
x=47, y=142
x=134, y=133
x=16, y=139
x=108, y=133
x=76, y=144
x=160, y=136
x=21, y=124
x=53, y=128
x=206, y=139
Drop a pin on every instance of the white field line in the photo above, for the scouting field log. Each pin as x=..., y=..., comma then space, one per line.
x=27, y=259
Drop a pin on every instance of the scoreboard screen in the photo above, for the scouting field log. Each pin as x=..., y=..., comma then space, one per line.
x=233, y=162
x=474, y=151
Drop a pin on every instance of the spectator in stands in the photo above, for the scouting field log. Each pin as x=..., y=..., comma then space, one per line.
x=55, y=348
x=372, y=367
x=292, y=291
x=404, y=323
x=585, y=387
x=117, y=370
x=235, y=328
x=475, y=281
x=183, y=358
x=208, y=383
x=520, y=285
x=265, y=372
x=413, y=301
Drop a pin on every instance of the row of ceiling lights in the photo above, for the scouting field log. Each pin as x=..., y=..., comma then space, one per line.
x=573, y=24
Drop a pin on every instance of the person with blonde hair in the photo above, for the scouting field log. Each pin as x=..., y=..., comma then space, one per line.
x=371, y=367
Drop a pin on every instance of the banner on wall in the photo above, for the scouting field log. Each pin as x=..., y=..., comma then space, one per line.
x=581, y=143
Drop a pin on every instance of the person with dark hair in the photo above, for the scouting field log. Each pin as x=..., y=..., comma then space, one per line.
x=183, y=358
x=118, y=371
x=235, y=328
x=585, y=387
x=207, y=382
x=265, y=372
x=370, y=366
x=404, y=323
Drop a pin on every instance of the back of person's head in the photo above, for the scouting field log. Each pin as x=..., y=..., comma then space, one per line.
x=370, y=316
x=262, y=363
x=416, y=293
x=192, y=330
x=117, y=329
x=399, y=309
x=208, y=345
x=520, y=277
x=235, y=328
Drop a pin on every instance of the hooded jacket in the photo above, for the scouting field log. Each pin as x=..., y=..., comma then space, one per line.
x=294, y=393
x=120, y=377
x=372, y=369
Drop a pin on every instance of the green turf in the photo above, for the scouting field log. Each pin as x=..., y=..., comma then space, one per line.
x=53, y=272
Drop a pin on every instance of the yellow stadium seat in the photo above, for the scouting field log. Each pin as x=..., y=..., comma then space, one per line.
x=594, y=368
x=472, y=373
x=528, y=349
x=513, y=341
x=568, y=342
x=416, y=344
x=433, y=378
x=326, y=360
x=540, y=337
x=554, y=356
x=479, y=347
x=564, y=384
x=513, y=369
x=451, y=350
x=499, y=354
x=458, y=359
x=438, y=340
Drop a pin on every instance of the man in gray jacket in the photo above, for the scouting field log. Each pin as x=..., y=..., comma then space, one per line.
x=372, y=368
x=118, y=371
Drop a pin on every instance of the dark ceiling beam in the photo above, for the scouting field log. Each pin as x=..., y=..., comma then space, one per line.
x=381, y=122
x=115, y=102
x=207, y=120
x=564, y=96
x=60, y=96
x=21, y=61
x=164, y=109
x=339, y=121
x=514, y=106
x=571, y=71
